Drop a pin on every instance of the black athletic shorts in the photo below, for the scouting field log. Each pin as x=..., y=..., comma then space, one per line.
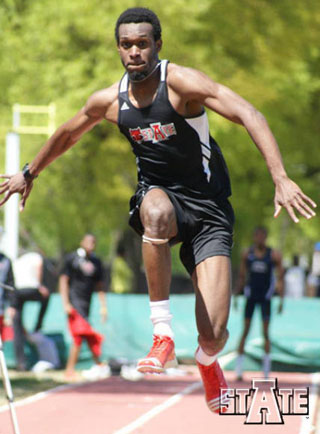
x=205, y=226
x=265, y=306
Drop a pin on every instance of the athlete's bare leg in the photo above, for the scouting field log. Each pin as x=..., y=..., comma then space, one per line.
x=72, y=360
x=247, y=325
x=212, y=283
x=159, y=221
x=266, y=361
x=266, y=336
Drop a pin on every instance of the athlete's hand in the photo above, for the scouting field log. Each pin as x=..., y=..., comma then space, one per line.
x=280, y=307
x=289, y=195
x=68, y=308
x=15, y=184
x=44, y=291
x=235, y=302
x=104, y=314
x=11, y=311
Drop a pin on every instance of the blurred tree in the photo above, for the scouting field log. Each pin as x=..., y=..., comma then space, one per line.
x=267, y=51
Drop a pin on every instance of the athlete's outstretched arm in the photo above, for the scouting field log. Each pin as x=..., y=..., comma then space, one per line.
x=198, y=87
x=63, y=139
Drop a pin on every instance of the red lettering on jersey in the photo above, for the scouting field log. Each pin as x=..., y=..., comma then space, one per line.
x=147, y=134
x=135, y=134
x=169, y=130
x=157, y=132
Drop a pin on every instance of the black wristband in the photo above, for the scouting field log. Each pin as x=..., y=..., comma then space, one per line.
x=27, y=175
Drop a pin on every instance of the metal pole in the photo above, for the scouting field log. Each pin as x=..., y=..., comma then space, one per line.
x=8, y=389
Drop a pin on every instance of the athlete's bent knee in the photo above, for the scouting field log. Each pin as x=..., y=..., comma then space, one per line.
x=156, y=221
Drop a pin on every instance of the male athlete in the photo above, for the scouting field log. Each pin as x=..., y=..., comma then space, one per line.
x=81, y=275
x=256, y=278
x=183, y=183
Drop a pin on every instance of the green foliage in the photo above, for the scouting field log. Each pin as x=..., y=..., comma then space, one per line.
x=267, y=51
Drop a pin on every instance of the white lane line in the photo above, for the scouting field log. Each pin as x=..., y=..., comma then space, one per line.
x=41, y=395
x=307, y=424
x=223, y=360
x=158, y=409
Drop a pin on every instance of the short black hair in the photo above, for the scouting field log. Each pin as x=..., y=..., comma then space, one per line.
x=139, y=15
x=261, y=229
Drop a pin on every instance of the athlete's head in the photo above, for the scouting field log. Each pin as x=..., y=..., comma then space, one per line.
x=88, y=243
x=138, y=35
x=260, y=235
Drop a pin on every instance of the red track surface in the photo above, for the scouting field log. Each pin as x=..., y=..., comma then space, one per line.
x=108, y=406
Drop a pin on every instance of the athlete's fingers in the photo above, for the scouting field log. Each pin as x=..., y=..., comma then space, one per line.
x=22, y=203
x=4, y=183
x=310, y=213
x=277, y=209
x=300, y=209
x=25, y=196
x=3, y=189
x=291, y=213
x=6, y=197
x=307, y=199
x=6, y=176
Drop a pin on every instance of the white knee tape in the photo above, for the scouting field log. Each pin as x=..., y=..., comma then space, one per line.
x=156, y=241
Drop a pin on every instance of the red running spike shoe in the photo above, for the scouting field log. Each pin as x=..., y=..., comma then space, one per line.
x=160, y=357
x=213, y=380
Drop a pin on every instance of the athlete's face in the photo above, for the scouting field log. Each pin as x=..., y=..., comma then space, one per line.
x=259, y=238
x=88, y=243
x=138, y=50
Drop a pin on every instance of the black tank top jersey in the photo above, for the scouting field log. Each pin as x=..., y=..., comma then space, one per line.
x=261, y=280
x=170, y=150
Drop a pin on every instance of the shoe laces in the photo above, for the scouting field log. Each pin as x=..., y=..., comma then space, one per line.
x=159, y=344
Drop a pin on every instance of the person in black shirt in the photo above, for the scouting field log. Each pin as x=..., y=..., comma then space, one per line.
x=81, y=276
x=183, y=183
x=257, y=280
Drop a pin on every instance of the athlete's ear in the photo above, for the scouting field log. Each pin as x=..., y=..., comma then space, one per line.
x=159, y=45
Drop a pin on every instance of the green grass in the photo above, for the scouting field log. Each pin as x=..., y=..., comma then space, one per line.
x=25, y=384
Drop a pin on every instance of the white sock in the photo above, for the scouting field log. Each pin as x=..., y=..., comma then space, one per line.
x=266, y=365
x=161, y=318
x=204, y=358
x=239, y=365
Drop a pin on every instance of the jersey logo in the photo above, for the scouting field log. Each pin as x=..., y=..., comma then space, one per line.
x=156, y=133
x=124, y=106
x=259, y=267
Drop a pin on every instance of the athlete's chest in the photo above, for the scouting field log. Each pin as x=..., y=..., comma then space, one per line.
x=259, y=264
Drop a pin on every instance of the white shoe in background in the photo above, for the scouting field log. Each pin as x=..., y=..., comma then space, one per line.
x=130, y=372
x=97, y=372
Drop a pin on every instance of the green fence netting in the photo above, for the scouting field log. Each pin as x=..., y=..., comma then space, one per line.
x=295, y=334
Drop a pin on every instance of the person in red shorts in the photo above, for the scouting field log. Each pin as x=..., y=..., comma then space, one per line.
x=7, y=278
x=81, y=275
x=183, y=182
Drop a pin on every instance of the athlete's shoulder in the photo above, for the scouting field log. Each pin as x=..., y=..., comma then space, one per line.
x=245, y=253
x=181, y=76
x=185, y=79
x=69, y=257
x=101, y=100
x=276, y=255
